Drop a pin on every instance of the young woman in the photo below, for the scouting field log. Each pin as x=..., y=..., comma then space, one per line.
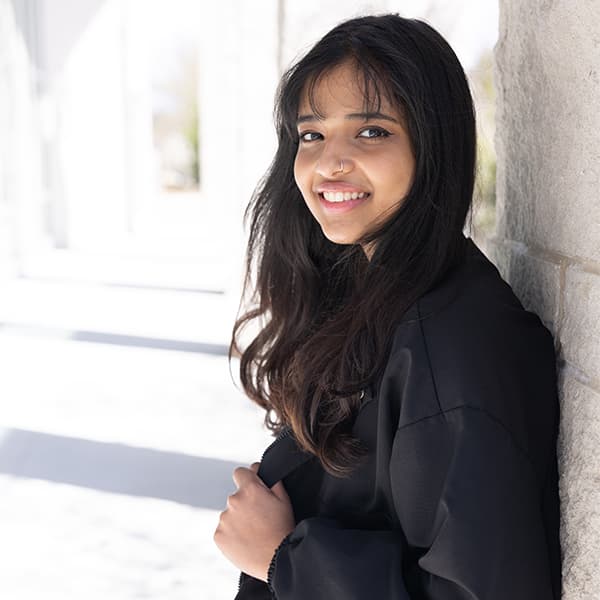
x=413, y=396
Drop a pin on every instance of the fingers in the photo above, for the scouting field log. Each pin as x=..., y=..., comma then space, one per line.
x=242, y=475
x=279, y=490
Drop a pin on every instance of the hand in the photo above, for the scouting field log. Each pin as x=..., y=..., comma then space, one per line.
x=254, y=523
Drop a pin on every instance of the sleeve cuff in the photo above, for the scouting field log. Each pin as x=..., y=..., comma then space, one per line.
x=273, y=563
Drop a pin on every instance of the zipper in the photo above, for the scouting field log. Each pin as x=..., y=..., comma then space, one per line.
x=287, y=430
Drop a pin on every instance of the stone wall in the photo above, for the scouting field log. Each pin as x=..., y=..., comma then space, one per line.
x=547, y=242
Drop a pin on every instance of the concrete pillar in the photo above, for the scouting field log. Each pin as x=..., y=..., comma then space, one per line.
x=547, y=242
x=22, y=212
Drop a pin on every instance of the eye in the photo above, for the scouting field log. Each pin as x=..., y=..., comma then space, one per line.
x=378, y=131
x=302, y=137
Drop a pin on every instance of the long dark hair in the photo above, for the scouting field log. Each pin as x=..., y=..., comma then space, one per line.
x=326, y=312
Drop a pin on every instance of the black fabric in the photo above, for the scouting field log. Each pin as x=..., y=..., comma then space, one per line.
x=458, y=499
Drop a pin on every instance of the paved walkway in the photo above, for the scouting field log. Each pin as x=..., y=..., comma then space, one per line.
x=116, y=448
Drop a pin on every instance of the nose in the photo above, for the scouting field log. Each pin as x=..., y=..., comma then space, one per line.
x=334, y=161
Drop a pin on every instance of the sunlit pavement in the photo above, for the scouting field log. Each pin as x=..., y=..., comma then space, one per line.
x=116, y=453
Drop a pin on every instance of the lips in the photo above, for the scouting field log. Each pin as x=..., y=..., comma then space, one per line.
x=339, y=186
x=340, y=191
x=341, y=206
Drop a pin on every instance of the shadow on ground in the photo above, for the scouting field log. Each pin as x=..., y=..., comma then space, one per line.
x=117, y=468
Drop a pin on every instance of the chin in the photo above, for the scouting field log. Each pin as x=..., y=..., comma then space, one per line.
x=339, y=238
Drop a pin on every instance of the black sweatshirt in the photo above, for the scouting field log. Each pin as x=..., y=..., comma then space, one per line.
x=458, y=499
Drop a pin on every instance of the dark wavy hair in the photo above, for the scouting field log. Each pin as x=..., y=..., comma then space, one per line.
x=327, y=313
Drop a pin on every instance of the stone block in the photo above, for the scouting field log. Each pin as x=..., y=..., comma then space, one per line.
x=535, y=280
x=580, y=327
x=548, y=83
x=579, y=470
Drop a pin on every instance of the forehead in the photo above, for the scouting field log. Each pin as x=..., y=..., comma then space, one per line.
x=343, y=87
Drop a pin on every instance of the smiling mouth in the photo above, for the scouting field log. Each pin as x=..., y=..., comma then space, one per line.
x=343, y=196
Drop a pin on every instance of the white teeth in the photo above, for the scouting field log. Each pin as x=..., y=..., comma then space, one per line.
x=343, y=196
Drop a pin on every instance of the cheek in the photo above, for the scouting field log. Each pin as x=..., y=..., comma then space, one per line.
x=394, y=171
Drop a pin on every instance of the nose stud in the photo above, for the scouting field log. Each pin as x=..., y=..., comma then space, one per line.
x=341, y=169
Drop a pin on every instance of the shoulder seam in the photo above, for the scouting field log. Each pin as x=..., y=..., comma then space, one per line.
x=488, y=414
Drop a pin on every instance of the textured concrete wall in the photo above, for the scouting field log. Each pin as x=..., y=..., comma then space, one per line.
x=547, y=242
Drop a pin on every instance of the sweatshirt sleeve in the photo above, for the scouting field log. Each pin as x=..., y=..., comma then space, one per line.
x=470, y=525
x=321, y=560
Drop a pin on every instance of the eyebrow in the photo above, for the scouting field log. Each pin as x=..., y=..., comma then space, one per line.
x=363, y=116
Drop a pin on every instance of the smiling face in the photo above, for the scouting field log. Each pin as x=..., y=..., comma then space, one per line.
x=353, y=169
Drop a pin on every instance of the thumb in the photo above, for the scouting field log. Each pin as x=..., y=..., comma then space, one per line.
x=279, y=490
